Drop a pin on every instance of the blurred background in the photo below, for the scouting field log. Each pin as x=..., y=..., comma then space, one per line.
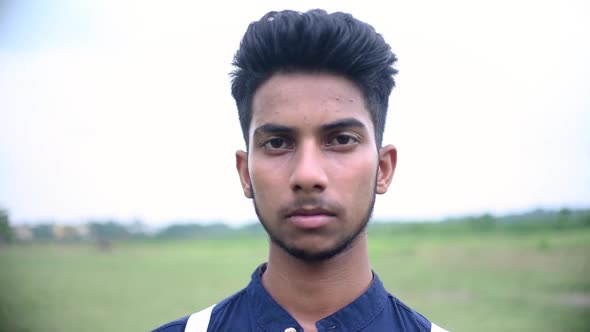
x=118, y=186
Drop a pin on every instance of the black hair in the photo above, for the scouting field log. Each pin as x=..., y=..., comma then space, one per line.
x=314, y=41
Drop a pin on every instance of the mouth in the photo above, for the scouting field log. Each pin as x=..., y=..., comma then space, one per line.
x=310, y=218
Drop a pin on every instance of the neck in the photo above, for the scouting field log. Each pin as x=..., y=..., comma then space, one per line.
x=310, y=291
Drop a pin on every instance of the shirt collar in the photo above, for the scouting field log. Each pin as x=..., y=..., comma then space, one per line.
x=353, y=317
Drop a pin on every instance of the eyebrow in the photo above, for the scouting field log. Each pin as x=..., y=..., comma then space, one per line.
x=271, y=128
x=343, y=123
x=275, y=129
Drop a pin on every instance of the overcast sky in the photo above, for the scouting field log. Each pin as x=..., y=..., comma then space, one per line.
x=122, y=109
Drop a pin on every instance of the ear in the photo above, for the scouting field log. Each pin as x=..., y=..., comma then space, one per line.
x=387, y=163
x=243, y=172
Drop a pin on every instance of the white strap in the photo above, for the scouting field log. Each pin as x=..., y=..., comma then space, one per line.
x=436, y=328
x=199, y=321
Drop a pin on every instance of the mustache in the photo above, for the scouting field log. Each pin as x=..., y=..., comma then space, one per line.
x=310, y=204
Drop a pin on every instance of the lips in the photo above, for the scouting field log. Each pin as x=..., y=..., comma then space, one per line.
x=310, y=218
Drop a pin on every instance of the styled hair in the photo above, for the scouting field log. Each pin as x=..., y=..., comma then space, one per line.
x=314, y=41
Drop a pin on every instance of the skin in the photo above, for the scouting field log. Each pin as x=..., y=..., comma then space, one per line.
x=313, y=169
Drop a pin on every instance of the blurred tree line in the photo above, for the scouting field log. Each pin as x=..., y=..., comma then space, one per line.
x=535, y=220
x=103, y=232
x=6, y=234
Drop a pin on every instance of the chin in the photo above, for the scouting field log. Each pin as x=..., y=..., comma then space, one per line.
x=314, y=255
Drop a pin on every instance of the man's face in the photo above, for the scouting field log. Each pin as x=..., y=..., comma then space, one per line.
x=312, y=165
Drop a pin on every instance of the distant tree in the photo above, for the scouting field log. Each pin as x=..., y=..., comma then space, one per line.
x=111, y=230
x=564, y=214
x=181, y=231
x=138, y=229
x=193, y=230
x=484, y=222
x=585, y=218
x=6, y=234
x=43, y=232
x=106, y=232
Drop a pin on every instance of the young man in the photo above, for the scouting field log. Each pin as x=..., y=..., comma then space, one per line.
x=312, y=94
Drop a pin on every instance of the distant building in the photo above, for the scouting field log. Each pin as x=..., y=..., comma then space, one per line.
x=22, y=233
x=59, y=231
x=83, y=231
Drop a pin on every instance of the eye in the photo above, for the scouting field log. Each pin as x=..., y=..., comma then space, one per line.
x=276, y=143
x=343, y=139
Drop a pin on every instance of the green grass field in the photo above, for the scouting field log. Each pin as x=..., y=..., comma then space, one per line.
x=495, y=281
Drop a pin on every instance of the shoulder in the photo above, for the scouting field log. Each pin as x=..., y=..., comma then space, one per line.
x=234, y=308
x=217, y=312
x=194, y=322
x=173, y=326
x=414, y=318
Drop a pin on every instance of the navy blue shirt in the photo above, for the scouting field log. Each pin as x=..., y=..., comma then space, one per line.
x=253, y=309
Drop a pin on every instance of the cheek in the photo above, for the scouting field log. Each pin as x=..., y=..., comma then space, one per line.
x=357, y=185
x=268, y=172
x=359, y=173
x=266, y=182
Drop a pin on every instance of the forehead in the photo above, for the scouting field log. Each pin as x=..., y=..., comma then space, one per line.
x=307, y=100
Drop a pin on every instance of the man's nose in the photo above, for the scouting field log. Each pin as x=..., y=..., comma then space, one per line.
x=308, y=173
